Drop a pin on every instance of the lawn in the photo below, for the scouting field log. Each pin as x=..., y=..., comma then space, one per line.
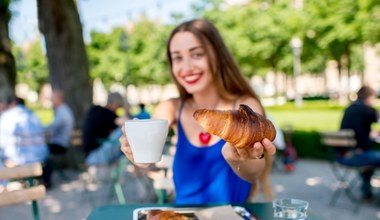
x=311, y=116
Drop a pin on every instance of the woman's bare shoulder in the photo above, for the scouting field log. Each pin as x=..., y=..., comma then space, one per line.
x=167, y=109
x=169, y=104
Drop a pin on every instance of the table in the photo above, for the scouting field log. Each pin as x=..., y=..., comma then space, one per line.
x=125, y=212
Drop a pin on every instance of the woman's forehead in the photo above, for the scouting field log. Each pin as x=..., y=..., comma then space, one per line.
x=184, y=41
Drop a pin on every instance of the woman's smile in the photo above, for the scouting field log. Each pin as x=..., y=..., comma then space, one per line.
x=192, y=78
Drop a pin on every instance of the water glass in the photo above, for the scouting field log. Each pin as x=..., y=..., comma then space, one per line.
x=288, y=208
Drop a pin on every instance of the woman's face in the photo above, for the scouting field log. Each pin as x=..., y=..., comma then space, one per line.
x=190, y=64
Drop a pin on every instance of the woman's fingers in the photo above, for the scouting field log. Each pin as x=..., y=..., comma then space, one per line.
x=258, y=150
x=124, y=146
x=269, y=146
x=255, y=152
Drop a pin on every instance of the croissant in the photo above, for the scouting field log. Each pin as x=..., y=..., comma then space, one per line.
x=242, y=127
x=165, y=215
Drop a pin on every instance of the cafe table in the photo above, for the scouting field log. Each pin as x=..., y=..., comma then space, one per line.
x=263, y=211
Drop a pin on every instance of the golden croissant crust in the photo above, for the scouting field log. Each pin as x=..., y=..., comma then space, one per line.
x=242, y=127
x=165, y=215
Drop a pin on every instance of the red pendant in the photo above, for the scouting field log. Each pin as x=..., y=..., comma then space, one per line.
x=205, y=137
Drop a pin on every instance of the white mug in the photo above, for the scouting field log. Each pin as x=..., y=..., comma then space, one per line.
x=147, y=139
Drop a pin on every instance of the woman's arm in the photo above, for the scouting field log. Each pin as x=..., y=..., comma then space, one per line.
x=245, y=161
x=165, y=110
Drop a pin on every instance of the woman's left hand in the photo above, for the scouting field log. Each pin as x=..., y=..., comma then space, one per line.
x=232, y=153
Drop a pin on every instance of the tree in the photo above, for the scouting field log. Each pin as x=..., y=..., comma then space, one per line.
x=107, y=55
x=31, y=65
x=146, y=53
x=338, y=29
x=67, y=60
x=7, y=61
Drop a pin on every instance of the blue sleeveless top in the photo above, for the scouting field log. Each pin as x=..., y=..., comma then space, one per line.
x=202, y=175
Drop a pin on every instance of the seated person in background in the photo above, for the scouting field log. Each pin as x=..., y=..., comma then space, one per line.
x=109, y=150
x=59, y=132
x=22, y=137
x=143, y=114
x=359, y=117
x=100, y=122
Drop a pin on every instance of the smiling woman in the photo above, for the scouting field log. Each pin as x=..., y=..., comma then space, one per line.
x=207, y=77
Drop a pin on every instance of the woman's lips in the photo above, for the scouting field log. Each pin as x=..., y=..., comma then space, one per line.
x=191, y=79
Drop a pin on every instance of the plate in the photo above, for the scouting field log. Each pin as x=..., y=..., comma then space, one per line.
x=141, y=213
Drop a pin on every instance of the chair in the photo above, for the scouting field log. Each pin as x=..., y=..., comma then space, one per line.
x=109, y=157
x=343, y=139
x=32, y=192
x=162, y=178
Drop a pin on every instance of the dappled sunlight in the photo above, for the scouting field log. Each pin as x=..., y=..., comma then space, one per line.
x=279, y=188
x=93, y=187
x=53, y=205
x=313, y=181
x=69, y=187
x=375, y=182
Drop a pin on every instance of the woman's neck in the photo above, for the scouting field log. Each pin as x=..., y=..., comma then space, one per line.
x=207, y=101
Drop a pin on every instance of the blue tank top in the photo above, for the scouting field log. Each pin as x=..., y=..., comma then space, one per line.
x=202, y=175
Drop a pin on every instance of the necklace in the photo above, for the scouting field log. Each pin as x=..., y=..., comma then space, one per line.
x=205, y=137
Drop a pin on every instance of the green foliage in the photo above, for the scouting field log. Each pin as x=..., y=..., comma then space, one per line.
x=31, y=65
x=258, y=35
x=341, y=26
x=308, y=145
x=147, y=53
x=136, y=56
x=107, y=56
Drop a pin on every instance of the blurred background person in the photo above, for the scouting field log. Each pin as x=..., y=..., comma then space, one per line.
x=143, y=114
x=359, y=116
x=22, y=136
x=58, y=132
x=100, y=121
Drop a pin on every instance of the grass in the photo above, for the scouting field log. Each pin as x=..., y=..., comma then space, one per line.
x=45, y=115
x=311, y=116
x=318, y=120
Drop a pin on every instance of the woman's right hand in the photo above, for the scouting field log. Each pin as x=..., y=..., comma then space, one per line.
x=126, y=149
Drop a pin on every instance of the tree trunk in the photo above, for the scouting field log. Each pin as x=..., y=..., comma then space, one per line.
x=67, y=59
x=7, y=61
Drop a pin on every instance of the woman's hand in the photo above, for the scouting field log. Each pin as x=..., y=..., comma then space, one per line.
x=246, y=161
x=259, y=149
x=126, y=149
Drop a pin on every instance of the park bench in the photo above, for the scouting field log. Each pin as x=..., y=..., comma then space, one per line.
x=30, y=192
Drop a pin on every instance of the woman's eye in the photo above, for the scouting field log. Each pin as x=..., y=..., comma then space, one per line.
x=198, y=55
x=176, y=59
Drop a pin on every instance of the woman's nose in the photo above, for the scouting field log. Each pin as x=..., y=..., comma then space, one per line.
x=187, y=65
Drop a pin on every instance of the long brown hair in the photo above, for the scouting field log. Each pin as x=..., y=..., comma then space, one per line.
x=225, y=72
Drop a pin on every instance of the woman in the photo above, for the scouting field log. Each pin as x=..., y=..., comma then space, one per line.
x=206, y=169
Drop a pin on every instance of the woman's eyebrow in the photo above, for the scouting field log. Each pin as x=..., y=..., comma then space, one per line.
x=196, y=47
x=191, y=49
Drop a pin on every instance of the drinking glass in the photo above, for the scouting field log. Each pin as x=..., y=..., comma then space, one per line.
x=289, y=208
